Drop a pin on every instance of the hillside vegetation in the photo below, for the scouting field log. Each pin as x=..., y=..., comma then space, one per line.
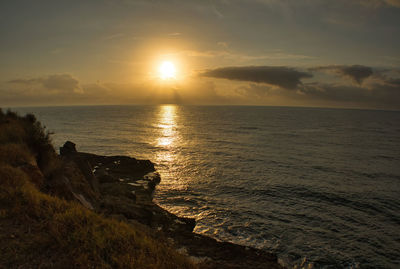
x=41, y=228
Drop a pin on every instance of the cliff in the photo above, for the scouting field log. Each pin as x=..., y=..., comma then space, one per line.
x=84, y=210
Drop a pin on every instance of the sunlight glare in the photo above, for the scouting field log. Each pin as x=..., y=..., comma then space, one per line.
x=167, y=70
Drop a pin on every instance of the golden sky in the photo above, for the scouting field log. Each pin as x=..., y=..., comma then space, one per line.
x=224, y=52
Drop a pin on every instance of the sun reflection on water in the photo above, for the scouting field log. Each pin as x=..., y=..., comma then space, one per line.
x=169, y=142
x=167, y=125
x=168, y=138
x=169, y=161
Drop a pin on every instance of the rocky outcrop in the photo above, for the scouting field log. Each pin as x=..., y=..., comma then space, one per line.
x=122, y=187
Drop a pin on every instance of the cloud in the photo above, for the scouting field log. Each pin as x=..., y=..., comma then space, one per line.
x=55, y=82
x=174, y=34
x=243, y=86
x=281, y=76
x=380, y=91
x=242, y=57
x=335, y=92
x=63, y=89
x=384, y=95
x=378, y=3
x=395, y=3
x=366, y=3
x=394, y=82
x=357, y=73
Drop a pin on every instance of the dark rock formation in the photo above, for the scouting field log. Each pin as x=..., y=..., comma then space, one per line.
x=122, y=188
x=68, y=148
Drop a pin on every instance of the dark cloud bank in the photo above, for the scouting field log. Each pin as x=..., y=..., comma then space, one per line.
x=379, y=91
x=357, y=73
x=281, y=76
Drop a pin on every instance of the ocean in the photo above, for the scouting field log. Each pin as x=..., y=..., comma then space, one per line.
x=320, y=187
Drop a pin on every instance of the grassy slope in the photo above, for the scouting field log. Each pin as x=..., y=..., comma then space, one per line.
x=39, y=230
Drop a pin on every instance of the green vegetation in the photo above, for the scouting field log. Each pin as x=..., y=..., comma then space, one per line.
x=39, y=230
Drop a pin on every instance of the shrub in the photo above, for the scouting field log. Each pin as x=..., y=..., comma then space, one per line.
x=11, y=114
x=30, y=118
x=12, y=132
x=32, y=134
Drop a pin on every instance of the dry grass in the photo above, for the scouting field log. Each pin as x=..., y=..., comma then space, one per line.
x=15, y=154
x=38, y=230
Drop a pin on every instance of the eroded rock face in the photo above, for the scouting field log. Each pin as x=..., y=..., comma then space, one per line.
x=122, y=187
x=125, y=186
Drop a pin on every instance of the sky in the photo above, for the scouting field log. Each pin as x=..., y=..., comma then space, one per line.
x=318, y=53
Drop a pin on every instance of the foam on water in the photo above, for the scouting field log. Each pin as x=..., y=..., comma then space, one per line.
x=317, y=186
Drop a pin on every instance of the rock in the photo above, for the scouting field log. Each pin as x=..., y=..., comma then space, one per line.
x=59, y=185
x=125, y=187
x=105, y=178
x=87, y=172
x=151, y=185
x=189, y=223
x=68, y=148
x=83, y=201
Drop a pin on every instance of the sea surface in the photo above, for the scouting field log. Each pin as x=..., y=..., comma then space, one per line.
x=318, y=187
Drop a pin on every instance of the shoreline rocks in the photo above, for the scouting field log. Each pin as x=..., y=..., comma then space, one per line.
x=123, y=188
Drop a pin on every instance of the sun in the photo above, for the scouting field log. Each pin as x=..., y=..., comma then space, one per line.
x=167, y=70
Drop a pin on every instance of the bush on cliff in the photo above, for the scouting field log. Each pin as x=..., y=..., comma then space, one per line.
x=40, y=230
x=30, y=133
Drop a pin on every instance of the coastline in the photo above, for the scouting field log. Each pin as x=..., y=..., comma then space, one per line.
x=125, y=189
x=81, y=210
